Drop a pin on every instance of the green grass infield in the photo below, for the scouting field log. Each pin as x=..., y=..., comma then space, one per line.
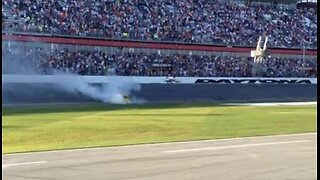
x=26, y=129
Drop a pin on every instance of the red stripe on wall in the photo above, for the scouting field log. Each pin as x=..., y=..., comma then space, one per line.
x=151, y=45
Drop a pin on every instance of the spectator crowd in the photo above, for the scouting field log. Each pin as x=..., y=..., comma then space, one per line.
x=197, y=21
x=93, y=62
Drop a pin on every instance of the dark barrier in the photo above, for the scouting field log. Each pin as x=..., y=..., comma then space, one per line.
x=38, y=93
x=49, y=93
x=230, y=92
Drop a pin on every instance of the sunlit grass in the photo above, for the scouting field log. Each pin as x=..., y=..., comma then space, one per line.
x=48, y=128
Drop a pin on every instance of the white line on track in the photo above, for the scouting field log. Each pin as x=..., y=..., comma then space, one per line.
x=21, y=164
x=236, y=146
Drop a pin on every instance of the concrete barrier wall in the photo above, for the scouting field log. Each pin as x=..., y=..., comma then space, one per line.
x=229, y=92
x=49, y=93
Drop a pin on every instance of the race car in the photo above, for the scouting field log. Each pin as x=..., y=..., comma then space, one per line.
x=126, y=99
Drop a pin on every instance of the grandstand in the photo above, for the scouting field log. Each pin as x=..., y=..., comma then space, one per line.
x=125, y=63
x=207, y=23
x=158, y=38
x=201, y=22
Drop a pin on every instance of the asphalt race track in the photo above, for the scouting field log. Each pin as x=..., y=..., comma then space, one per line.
x=280, y=157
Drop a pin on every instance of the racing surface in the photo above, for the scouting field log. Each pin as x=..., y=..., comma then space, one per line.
x=279, y=157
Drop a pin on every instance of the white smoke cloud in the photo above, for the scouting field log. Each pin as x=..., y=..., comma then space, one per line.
x=111, y=92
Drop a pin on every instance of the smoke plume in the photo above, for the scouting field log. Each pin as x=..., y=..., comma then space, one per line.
x=112, y=92
x=17, y=60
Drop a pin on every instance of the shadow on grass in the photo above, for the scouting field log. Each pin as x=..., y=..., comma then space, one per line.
x=8, y=127
x=85, y=107
x=7, y=111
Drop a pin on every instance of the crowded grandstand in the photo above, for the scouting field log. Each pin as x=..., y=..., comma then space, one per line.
x=217, y=22
x=93, y=62
x=201, y=21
